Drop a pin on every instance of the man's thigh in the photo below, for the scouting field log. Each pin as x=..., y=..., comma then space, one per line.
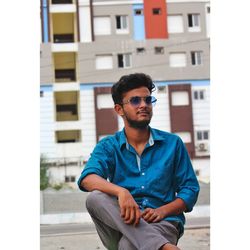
x=167, y=230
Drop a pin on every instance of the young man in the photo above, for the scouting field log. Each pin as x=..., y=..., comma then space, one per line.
x=141, y=179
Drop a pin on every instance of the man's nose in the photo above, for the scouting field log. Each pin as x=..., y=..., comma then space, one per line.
x=143, y=103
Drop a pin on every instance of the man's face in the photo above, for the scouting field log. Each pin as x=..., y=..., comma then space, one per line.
x=137, y=116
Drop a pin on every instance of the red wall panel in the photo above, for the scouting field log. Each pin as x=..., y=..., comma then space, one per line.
x=155, y=24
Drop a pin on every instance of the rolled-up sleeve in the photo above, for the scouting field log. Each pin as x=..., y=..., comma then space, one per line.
x=186, y=184
x=99, y=163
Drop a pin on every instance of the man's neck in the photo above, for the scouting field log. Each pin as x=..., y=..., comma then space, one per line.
x=137, y=136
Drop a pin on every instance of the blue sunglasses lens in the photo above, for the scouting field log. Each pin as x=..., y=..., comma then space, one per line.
x=148, y=100
x=136, y=100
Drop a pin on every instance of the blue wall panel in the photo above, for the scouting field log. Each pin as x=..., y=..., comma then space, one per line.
x=45, y=22
x=139, y=26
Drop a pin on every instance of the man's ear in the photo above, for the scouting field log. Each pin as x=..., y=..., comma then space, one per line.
x=118, y=109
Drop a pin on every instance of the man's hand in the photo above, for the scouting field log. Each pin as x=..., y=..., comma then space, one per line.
x=153, y=215
x=130, y=211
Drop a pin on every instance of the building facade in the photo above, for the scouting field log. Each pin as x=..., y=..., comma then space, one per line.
x=87, y=45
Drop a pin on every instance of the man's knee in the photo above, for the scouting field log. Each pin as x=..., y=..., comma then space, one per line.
x=125, y=244
x=97, y=199
x=92, y=199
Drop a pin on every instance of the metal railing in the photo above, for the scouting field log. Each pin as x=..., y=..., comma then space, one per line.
x=61, y=1
x=66, y=162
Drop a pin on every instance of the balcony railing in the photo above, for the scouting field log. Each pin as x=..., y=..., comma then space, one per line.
x=64, y=38
x=61, y=1
x=66, y=161
x=65, y=75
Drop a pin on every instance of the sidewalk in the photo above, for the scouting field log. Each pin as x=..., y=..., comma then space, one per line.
x=62, y=218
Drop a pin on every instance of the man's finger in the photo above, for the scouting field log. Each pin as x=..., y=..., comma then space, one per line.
x=123, y=212
x=127, y=214
x=152, y=217
x=148, y=213
x=156, y=219
x=137, y=216
x=131, y=216
x=145, y=211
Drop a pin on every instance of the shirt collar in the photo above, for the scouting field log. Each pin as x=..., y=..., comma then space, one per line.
x=154, y=136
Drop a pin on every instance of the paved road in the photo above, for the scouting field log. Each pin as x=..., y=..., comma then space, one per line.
x=193, y=239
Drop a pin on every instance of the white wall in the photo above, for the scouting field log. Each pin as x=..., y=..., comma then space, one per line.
x=85, y=23
x=47, y=136
x=203, y=165
x=87, y=116
x=201, y=118
x=161, y=115
x=201, y=110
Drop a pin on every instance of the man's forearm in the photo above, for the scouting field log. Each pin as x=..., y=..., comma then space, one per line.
x=174, y=208
x=94, y=182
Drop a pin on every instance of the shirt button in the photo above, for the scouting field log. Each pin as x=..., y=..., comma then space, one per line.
x=142, y=173
x=142, y=187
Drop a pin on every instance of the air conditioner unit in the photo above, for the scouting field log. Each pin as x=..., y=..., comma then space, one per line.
x=202, y=147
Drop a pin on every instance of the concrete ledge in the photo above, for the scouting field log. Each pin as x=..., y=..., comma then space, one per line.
x=199, y=211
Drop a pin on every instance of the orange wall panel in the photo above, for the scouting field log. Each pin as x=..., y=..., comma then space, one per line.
x=155, y=25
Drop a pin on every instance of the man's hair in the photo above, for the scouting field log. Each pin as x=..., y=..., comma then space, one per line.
x=129, y=82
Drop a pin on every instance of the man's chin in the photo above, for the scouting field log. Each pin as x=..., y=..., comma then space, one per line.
x=139, y=124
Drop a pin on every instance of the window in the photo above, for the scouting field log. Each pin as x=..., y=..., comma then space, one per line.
x=124, y=60
x=102, y=25
x=138, y=12
x=180, y=98
x=202, y=135
x=196, y=58
x=156, y=11
x=121, y=24
x=199, y=94
x=194, y=22
x=70, y=178
x=140, y=51
x=41, y=94
x=104, y=62
x=177, y=60
x=185, y=136
x=68, y=136
x=159, y=50
x=175, y=24
x=104, y=101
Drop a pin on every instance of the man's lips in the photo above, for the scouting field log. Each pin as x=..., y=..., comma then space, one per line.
x=143, y=113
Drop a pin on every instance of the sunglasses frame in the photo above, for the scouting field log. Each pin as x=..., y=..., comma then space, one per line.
x=130, y=100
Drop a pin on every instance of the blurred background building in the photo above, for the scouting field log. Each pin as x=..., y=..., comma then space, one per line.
x=87, y=45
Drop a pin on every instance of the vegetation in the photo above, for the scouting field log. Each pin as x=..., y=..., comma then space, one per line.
x=44, y=178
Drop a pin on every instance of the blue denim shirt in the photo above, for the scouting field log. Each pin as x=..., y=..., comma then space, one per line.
x=162, y=173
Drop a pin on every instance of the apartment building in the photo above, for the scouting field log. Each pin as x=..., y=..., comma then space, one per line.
x=87, y=45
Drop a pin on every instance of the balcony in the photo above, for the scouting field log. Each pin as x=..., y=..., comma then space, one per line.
x=64, y=43
x=61, y=1
x=63, y=38
x=67, y=106
x=66, y=112
x=63, y=7
x=65, y=75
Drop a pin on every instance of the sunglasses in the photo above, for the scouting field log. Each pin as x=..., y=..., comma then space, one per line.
x=135, y=101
